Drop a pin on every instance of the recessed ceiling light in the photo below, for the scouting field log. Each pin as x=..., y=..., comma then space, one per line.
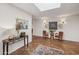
x=47, y=6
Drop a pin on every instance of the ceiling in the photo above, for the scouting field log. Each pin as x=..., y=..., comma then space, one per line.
x=66, y=9
x=27, y=7
x=47, y=6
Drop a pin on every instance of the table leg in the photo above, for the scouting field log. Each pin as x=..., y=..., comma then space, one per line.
x=7, y=48
x=27, y=41
x=3, y=48
x=24, y=41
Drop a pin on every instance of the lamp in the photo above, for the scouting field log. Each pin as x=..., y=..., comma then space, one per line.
x=62, y=21
x=45, y=22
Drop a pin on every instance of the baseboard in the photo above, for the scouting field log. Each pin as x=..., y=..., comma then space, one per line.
x=37, y=36
x=60, y=40
x=71, y=41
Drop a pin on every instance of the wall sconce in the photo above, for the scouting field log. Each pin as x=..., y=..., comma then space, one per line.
x=62, y=21
x=45, y=22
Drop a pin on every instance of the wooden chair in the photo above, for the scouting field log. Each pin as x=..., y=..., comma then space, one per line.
x=22, y=34
x=59, y=35
x=45, y=34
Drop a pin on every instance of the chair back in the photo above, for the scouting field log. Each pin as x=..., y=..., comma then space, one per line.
x=22, y=34
x=45, y=33
x=60, y=33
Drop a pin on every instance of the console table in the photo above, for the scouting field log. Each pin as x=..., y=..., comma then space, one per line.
x=6, y=42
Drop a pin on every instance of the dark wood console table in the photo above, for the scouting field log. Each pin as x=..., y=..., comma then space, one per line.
x=6, y=42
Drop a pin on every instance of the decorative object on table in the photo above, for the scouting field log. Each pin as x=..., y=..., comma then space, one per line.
x=44, y=50
x=10, y=38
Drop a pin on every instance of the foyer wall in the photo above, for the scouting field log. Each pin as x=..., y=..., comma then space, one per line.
x=8, y=14
x=71, y=29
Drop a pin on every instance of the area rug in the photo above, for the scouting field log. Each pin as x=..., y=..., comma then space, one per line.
x=45, y=50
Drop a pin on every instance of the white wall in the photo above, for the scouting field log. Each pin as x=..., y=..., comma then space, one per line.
x=71, y=29
x=8, y=16
x=37, y=27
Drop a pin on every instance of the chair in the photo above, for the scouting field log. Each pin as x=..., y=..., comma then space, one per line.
x=59, y=35
x=45, y=34
x=22, y=34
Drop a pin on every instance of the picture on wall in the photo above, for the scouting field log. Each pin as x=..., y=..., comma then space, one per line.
x=53, y=25
x=21, y=24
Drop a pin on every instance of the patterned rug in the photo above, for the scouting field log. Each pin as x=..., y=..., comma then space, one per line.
x=44, y=50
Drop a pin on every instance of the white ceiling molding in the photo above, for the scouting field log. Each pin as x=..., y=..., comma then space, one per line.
x=47, y=6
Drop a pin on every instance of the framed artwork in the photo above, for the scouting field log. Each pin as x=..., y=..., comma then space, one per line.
x=21, y=24
x=53, y=25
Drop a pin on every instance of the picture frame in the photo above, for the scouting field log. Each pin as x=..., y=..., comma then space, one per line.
x=21, y=24
x=53, y=25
